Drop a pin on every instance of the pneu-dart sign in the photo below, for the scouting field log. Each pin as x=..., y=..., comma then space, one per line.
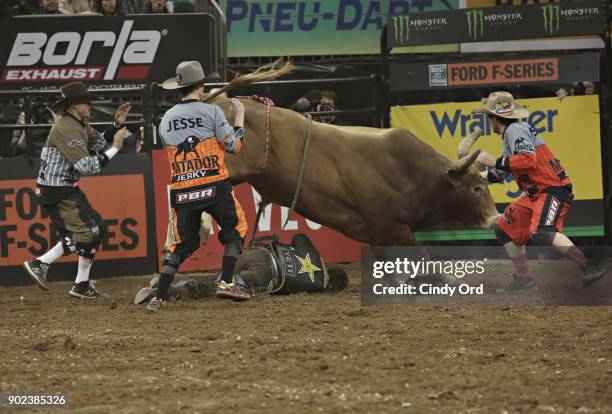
x=132, y=50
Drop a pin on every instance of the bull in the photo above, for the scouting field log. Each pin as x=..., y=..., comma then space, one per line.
x=376, y=186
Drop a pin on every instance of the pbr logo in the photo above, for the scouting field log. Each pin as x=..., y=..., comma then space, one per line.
x=475, y=20
x=66, y=56
x=195, y=195
x=551, y=16
x=553, y=210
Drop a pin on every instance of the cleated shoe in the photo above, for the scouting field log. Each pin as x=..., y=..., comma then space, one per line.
x=38, y=272
x=85, y=290
x=518, y=284
x=154, y=305
x=592, y=273
x=234, y=291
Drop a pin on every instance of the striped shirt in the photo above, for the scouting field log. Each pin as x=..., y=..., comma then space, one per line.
x=67, y=152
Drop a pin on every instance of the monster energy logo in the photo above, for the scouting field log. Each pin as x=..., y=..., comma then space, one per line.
x=400, y=29
x=475, y=19
x=550, y=13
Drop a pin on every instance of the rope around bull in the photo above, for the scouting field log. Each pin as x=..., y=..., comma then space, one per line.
x=263, y=162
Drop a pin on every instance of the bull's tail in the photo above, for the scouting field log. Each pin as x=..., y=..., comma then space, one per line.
x=270, y=71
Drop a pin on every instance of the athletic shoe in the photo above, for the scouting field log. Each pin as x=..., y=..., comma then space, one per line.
x=144, y=295
x=154, y=305
x=85, y=290
x=519, y=284
x=592, y=273
x=154, y=282
x=38, y=272
x=234, y=291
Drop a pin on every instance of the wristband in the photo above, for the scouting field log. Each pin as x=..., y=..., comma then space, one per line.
x=502, y=163
x=111, y=152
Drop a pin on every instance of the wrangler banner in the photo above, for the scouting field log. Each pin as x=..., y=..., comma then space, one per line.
x=572, y=18
x=315, y=27
x=121, y=196
x=114, y=51
x=467, y=72
x=569, y=127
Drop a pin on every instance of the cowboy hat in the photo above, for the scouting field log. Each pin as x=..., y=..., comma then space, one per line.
x=73, y=93
x=502, y=104
x=187, y=73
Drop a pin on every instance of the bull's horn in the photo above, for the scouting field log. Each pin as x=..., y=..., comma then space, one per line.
x=466, y=143
x=461, y=166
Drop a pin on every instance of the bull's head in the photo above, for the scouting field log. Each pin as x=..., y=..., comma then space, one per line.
x=470, y=200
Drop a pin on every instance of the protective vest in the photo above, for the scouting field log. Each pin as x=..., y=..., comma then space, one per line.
x=193, y=133
x=298, y=267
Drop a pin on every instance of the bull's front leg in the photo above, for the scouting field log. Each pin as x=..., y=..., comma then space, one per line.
x=399, y=235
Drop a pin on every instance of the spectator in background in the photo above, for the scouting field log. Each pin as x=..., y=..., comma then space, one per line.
x=578, y=89
x=74, y=6
x=47, y=7
x=562, y=93
x=22, y=7
x=327, y=103
x=319, y=101
x=107, y=7
x=589, y=88
x=8, y=114
x=134, y=6
x=183, y=6
x=133, y=142
x=157, y=6
x=30, y=142
x=214, y=77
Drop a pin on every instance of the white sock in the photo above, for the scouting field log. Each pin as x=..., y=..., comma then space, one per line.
x=84, y=268
x=52, y=255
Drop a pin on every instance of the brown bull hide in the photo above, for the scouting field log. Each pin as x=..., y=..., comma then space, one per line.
x=374, y=185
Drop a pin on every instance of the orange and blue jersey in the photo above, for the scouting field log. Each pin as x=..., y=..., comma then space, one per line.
x=530, y=161
x=196, y=136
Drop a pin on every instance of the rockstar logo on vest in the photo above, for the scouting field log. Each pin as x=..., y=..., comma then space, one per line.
x=307, y=266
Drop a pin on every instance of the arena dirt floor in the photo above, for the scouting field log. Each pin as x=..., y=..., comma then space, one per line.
x=306, y=353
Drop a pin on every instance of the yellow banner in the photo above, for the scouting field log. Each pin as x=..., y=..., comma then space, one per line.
x=570, y=128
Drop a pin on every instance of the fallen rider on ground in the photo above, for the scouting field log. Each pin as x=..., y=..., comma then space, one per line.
x=276, y=269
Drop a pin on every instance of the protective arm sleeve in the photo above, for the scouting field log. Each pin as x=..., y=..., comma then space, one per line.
x=496, y=176
x=233, y=142
x=230, y=139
